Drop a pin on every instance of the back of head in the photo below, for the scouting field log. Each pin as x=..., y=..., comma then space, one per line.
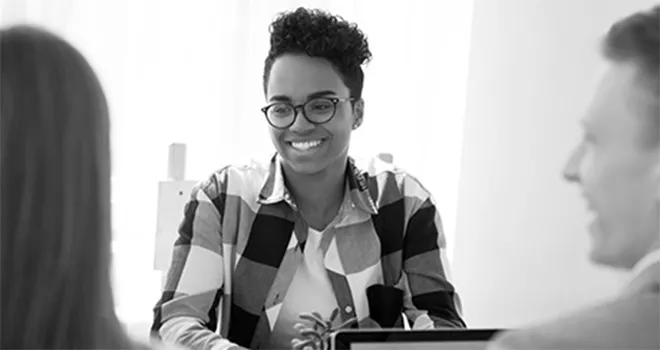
x=55, y=168
x=636, y=39
x=319, y=34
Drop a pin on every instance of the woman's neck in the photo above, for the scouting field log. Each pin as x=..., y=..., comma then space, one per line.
x=319, y=194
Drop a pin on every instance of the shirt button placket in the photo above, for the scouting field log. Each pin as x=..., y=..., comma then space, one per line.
x=348, y=309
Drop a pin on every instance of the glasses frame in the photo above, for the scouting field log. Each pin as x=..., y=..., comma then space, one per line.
x=334, y=100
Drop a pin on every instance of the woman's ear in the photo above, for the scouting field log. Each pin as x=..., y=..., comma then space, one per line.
x=358, y=113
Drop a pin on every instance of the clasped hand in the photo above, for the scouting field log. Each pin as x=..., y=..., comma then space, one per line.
x=317, y=337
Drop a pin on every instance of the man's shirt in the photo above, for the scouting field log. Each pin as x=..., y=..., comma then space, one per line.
x=649, y=260
x=242, y=241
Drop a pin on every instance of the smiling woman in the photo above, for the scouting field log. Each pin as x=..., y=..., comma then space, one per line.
x=313, y=231
x=312, y=82
x=194, y=74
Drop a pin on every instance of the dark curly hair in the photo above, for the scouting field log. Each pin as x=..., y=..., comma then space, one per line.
x=319, y=34
x=636, y=39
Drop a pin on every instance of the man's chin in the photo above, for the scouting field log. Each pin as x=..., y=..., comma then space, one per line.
x=597, y=258
x=598, y=254
x=603, y=258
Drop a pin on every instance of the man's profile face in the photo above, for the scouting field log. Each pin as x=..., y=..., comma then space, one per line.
x=617, y=173
x=305, y=147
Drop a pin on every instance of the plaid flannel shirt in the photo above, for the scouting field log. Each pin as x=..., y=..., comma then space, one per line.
x=241, y=241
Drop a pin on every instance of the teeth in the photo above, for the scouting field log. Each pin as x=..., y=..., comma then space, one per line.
x=306, y=145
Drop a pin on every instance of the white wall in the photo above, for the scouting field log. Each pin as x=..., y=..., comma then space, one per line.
x=521, y=243
x=192, y=73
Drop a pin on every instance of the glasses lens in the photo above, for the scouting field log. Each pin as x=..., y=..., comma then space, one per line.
x=280, y=114
x=319, y=110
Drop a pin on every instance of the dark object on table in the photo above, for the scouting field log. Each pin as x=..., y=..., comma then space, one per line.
x=385, y=304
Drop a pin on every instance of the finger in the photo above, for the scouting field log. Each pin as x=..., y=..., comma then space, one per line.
x=323, y=322
x=299, y=344
x=302, y=343
x=316, y=321
x=311, y=324
x=313, y=316
x=348, y=323
x=308, y=332
x=334, y=315
x=299, y=327
x=305, y=332
x=314, y=336
x=316, y=314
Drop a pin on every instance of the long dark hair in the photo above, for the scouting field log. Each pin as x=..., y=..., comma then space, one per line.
x=55, y=190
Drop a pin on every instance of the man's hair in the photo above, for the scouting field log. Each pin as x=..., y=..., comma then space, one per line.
x=636, y=39
x=319, y=34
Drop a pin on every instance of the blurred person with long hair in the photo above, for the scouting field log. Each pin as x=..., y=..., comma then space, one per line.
x=55, y=183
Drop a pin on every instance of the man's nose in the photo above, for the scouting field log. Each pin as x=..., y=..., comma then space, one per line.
x=571, y=171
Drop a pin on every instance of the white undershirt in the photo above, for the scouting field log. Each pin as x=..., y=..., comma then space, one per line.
x=310, y=290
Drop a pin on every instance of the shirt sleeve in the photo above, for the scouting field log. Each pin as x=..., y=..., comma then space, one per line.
x=187, y=313
x=430, y=300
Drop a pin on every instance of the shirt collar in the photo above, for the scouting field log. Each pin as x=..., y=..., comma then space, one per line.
x=274, y=189
x=647, y=261
x=645, y=272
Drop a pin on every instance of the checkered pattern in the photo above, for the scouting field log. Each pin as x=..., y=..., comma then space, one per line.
x=241, y=241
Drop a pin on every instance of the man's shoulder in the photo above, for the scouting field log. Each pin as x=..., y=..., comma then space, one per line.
x=629, y=322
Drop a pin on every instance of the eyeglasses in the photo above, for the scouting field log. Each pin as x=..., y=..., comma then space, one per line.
x=282, y=115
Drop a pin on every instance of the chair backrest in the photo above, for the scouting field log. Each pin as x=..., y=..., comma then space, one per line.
x=386, y=157
x=172, y=199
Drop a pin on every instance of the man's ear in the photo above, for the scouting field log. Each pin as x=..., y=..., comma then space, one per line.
x=358, y=113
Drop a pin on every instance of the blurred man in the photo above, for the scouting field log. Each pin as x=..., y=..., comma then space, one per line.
x=311, y=238
x=617, y=167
